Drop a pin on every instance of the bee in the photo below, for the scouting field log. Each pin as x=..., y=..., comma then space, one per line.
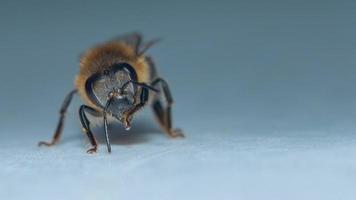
x=116, y=79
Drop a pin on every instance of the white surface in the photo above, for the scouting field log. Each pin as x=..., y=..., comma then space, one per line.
x=205, y=165
x=265, y=91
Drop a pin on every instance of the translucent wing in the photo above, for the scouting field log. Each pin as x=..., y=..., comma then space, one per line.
x=133, y=39
x=144, y=47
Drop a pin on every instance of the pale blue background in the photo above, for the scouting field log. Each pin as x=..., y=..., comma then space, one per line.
x=265, y=91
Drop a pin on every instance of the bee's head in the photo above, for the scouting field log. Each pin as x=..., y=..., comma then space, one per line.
x=117, y=91
x=114, y=83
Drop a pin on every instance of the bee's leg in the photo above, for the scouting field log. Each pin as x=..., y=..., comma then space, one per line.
x=106, y=124
x=143, y=101
x=164, y=114
x=62, y=112
x=86, y=126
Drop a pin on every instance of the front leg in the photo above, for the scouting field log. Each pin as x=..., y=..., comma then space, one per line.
x=129, y=113
x=86, y=127
x=105, y=112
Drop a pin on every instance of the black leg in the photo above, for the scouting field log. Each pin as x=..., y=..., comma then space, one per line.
x=159, y=112
x=62, y=112
x=86, y=127
x=143, y=101
x=106, y=124
x=164, y=115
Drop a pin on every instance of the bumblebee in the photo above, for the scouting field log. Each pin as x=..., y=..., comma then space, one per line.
x=116, y=79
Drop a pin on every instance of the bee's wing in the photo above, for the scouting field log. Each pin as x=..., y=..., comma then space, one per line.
x=133, y=39
x=144, y=47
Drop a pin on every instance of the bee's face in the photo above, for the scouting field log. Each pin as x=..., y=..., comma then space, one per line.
x=110, y=83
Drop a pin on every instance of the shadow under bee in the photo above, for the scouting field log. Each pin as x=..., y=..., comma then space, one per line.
x=140, y=133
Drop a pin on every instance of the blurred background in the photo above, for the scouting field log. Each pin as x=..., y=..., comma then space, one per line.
x=263, y=89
